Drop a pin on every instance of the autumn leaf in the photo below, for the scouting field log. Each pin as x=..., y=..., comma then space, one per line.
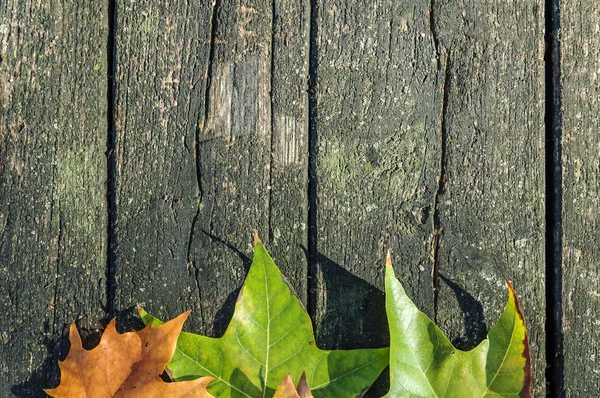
x=287, y=390
x=423, y=362
x=125, y=365
x=269, y=337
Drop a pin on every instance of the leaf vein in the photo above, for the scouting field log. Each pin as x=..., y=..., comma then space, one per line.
x=290, y=330
x=218, y=378
x=345, y=374
x=237, y=336
x=503, y=360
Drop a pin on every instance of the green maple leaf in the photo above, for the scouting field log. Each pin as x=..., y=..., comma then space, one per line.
x=424, y=364
x=269, y=337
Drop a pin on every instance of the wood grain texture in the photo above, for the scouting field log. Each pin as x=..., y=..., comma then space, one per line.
x=428, y=139
x=580, y=54
x=377, y=156
x=211, y=145
x=162, y=54
x=490, y=201
x=53, y=220
x=431, y=142
x=377, y=149
x=288, y=203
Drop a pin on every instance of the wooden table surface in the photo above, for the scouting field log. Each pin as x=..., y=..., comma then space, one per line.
x=142, y=143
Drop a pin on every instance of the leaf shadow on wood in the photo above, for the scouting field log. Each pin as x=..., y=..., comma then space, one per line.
x=225, y=313
x=247, y=261
x=128, y=320
x=353, y=314
x=474, y=320
x=48, y=374
x=354, y=310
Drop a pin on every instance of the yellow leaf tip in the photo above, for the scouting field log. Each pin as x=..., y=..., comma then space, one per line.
x=510, y=287
x=388, y=258
x=257, y=240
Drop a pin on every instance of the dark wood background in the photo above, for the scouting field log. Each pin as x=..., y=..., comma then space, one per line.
x=142, y=143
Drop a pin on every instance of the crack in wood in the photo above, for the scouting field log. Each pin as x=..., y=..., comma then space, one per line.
x=191, y=234
x=201, y=128
x=435, y=238
x=196, y=277
x=434, y=34
x=443, y=61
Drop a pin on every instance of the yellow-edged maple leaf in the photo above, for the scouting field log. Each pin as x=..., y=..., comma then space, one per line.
x=270, y=335
x=125, y=365
x=287, y=390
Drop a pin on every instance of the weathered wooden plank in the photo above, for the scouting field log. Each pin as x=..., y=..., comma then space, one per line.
x=52, y=184
x=377, y=150
x=435, y=114
x=211, y=132
x=288, y=204
x=162, y=51
x=580, y=55
x=490, y=201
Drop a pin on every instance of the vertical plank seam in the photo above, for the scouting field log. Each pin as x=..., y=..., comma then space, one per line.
x=201, y=129
x=434, y=35
x=110, y=160
x=437, y=229
x=553, y=155
x=443, y=61
x=50, y=372
x=312, y=148
x=60, y=246
x=56, y=350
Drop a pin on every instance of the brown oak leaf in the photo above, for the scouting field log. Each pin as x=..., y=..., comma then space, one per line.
x=125, y=365
x=287, y=390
